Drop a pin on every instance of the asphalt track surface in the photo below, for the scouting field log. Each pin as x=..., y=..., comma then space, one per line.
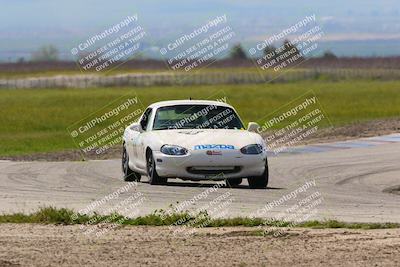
x=356, y=181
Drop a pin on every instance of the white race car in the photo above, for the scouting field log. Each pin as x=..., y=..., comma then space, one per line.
x=194, y=140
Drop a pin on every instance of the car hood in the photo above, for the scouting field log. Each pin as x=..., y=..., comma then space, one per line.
x=189, y=138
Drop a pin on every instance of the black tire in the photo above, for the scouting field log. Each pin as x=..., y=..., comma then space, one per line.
x=259, y=182
x=129, y=175
x=233, y=182
x=154, y=178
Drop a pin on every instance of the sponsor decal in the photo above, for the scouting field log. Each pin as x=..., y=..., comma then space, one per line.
x=213, y=153
x=214, y=146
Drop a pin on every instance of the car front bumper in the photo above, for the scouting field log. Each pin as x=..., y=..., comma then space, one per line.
x=198, y=165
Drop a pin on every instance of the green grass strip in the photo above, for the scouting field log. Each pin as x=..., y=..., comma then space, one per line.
x=51, y=215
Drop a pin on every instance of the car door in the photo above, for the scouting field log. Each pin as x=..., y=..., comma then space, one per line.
x=139, y=145
x=130, y=138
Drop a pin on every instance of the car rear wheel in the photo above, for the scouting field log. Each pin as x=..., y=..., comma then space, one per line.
x=233, y=182
x=129, y=175
x=259, y=182
x=154, y=178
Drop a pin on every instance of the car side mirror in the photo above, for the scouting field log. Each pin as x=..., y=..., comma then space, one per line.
x=252, y=127
x=136, y=127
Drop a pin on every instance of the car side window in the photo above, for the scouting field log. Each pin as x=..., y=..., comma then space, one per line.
x=144, y=122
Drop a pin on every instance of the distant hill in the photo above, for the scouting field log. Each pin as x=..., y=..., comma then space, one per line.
x=353, y=28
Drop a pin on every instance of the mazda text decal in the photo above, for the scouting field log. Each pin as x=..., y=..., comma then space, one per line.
x=201, y=147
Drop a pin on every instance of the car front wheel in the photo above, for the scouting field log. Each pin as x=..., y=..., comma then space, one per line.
x=154, y=178
x=259, y=182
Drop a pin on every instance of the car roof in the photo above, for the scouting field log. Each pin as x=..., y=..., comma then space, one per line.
x=188, y=102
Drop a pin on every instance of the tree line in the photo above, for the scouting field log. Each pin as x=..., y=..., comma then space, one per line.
x=50, y=53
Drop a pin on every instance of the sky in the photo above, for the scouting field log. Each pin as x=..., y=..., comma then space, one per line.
x=351, y=27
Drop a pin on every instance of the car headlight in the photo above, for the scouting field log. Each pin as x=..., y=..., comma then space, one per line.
x=252, y=149
x=174, y=150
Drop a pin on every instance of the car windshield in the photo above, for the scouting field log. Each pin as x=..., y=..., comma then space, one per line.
x=196, y=117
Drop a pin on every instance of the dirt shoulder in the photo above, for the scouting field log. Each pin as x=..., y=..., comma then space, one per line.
x=348, y=132
x=50, y=245
x=356, y=131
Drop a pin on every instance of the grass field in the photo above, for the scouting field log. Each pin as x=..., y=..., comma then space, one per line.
x=36, y=120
